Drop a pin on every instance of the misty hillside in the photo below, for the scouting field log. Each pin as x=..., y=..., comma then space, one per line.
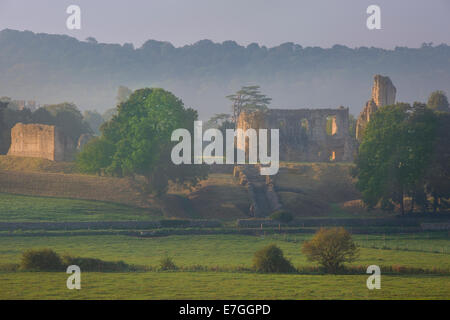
x=56, y=68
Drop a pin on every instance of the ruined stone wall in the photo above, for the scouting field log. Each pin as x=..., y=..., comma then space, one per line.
x=383, y=91
x=40, y=141
x=383, y=94
x=303, y=134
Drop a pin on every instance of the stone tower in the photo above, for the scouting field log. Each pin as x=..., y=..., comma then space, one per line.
x=383, y=91
x=40, y=141
x=383, y=94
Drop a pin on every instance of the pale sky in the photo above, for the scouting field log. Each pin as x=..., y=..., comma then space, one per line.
x=268, y=22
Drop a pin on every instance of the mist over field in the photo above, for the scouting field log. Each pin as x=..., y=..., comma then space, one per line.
x=56, y=68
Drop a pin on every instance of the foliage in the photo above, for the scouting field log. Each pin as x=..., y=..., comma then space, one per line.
x=95, y=265
x=141, y=136
x=438, y=101
x=395, y=153
x=282, y=216
x=437, y=176
x=217, y=121
x=167, y=264
x=248, y=99
x=109, y=114
x=96, y=155
x=41, y=260
x=331, y=248
x=270, y=259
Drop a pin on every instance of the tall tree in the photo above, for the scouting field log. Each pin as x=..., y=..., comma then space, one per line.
x=394, y=153
x=248, y=98
x=437, y=178
x=140, y=135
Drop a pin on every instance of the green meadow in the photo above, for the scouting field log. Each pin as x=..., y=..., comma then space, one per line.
x=219, y=285
x=221, y=251
x=218, y=250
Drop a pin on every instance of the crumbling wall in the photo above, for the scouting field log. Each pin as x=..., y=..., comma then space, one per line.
x=303, y=133
x=383, y=91
x=383, y=94
x=40, y=141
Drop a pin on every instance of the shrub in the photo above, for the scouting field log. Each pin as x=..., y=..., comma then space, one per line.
x=331, y=248
x=41, y=260
x=270, y=259
x=166, y=264
x=95, y=265
x=282, y=216
x=95, y=156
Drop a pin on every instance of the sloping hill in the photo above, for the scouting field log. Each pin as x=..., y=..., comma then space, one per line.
x=310, y=189
x=218, y=197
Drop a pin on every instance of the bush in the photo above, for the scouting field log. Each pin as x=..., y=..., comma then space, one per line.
x=167, y=264
x=41, y=260
x=331, y=248
x=282, y=216
x=270, y=259
x=95, y=265
x=95, y=156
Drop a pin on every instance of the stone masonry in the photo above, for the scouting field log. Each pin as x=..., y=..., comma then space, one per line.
x=40, y=141
x=383, y=94
x=303, y=133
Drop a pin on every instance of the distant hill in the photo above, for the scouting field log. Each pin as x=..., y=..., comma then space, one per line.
x=56, y=68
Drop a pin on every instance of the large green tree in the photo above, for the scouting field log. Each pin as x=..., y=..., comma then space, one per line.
x=437, y=178
x=395, y=154
x=140, y=134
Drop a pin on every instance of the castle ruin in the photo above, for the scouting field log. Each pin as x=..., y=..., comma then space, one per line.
x=383, y=94
x=40, y=141
x=303, y=132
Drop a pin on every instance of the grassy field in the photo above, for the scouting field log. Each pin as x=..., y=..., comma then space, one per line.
x=16, y=208
x=222, y=251
x=215, y=250
x=56, y=193
x=211, y=285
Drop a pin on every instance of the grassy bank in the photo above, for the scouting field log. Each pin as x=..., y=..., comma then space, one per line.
x=17, y=208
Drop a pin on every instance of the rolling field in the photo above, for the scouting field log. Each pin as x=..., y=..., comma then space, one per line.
x=218, y=250
x=58, y=194
x=212, y=250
